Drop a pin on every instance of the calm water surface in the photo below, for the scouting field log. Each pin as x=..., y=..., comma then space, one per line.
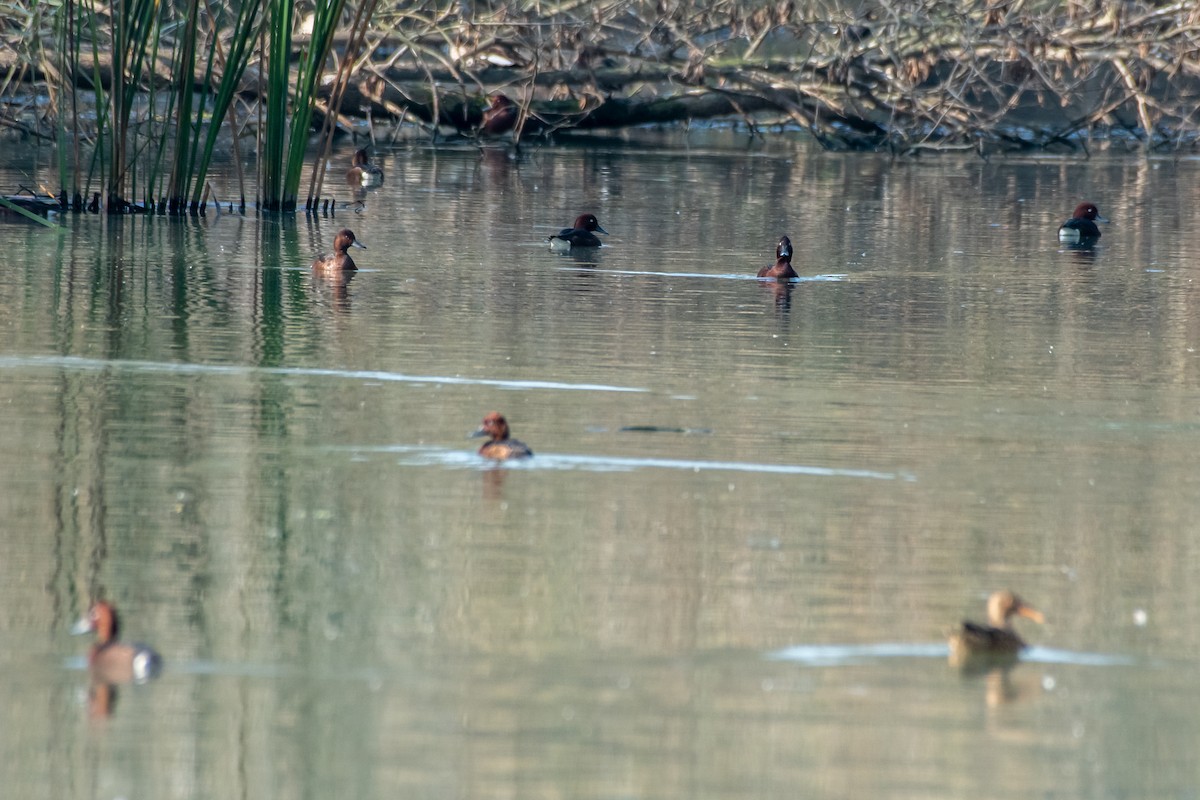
x=270, y=476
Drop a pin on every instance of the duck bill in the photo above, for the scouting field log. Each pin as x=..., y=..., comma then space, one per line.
x=82, y=625
x=601, y=230
x=1032, y=613
x=1102, y=219
x=357, y=243
x=477, y=434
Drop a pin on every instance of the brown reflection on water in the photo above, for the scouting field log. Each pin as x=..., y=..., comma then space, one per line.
x=1001, y=688
x=336, y=287
x=102, y=700
x=492, y=480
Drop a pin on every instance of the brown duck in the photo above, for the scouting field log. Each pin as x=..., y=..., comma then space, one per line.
x=340, y=261
x=782, y=268
x=110, y=660
x=972, y=642
x=499, y=446
x=362, y=172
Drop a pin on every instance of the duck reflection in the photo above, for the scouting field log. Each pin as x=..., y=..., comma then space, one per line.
x=1000, y=688
x=337, y=284
x=781, y=293
x=102, y=700
x=1082, y=253
x=493, y=484
x=500, y=165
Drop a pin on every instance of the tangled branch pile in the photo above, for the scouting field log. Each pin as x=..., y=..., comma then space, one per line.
x=899, y=75
x=877, y=74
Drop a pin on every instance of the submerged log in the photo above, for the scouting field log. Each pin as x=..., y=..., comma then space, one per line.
x=37, y=204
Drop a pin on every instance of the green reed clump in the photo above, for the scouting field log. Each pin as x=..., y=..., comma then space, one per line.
x=134, y=28
x=201, y=112
x=285, y=138
x=165, y=78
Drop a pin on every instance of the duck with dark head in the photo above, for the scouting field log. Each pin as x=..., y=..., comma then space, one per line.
x=782, y=268
x=581, y=234
x=1081, y=228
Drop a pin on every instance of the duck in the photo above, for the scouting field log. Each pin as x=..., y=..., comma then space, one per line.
x=972, y=642
x=362, y=172
x=110, y=660
x=499, y=446
x=580, y=234
x=782, y=268
x=340, y=261
x=1081, y=227
x=500, y=117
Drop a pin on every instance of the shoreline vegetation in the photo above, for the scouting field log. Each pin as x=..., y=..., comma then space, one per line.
x=268, y=77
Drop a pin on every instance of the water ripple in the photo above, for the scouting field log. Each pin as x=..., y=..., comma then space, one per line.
x=76, y=363
x=1050, y=655
x=426, y=456
x=837, y=655
x=268, y=671
x=832, y=277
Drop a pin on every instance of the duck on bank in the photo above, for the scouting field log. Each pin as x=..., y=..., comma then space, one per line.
x=499, y=117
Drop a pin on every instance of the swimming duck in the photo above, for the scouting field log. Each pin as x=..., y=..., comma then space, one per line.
x=499, y=446
x=340, y=261
x=362, y=172
x=782, y=269
x=996, y=640
x=578, y=235
x=110, y=660
x=1081, y=227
